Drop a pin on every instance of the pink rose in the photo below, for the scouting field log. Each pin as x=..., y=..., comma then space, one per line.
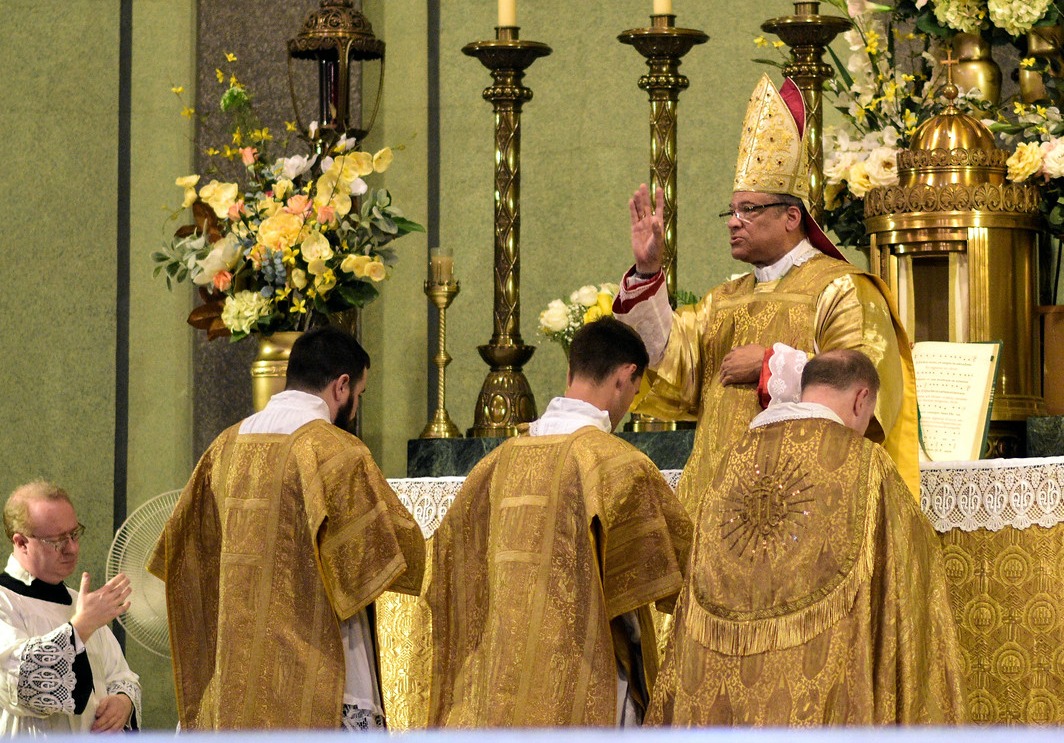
x=298, y=204
x=236, y=210
x=223, y=280
x=248, y=154
x=326, y=214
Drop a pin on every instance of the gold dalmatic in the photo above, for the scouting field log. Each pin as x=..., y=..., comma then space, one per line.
x=817, y=593
x=550, y=540
x=274, y=541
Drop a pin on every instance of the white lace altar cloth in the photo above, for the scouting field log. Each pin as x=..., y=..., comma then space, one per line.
x=993, y=493
x=987, y=494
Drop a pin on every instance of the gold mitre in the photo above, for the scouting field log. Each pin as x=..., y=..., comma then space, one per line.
x=773, y=157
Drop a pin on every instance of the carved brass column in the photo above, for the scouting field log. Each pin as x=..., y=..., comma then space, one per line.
x=808, y=34
x=505, y=397
x=664, y=45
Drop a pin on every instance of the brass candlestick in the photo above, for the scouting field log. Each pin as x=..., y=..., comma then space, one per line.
x=506, y=398
x=441, y=426
x=664, y=45
x=808, y=34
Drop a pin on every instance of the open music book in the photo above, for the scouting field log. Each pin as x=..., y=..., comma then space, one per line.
x=955, y=392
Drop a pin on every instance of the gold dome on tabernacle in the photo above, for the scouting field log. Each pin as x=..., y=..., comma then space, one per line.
x=952, y=165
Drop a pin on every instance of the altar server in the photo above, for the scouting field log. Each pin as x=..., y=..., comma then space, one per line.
x=548, y=559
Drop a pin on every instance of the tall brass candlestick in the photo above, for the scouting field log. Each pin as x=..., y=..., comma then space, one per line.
x=441, y=294
x=808, y=34
x=664, y=45
x=506, y=398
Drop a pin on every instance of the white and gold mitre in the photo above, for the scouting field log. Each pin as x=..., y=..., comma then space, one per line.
x=773, y=156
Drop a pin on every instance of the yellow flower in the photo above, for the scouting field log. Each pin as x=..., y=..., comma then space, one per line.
x=871, y=42
x=298, y=277
x=299, y=307
x=229, y=152
x=315, y=247
x=267, y=207
x=188, y=112
x=316, y=267
x=238, y=136
x=605, y=303
x=261, y=135
x=282, y=188
x=376, y=271
x=188, y=183
x=233, y=82
x=1018, y=108
x=220, y=196
x=1024, y=162
x=356, y=264
x=230, y=57
x=831, y=195
x=858, y=179
x=777, y=44
x=325, y=282
x=1027, y=62
x=212, y=151
x=382, y=160
x=290, y=126
x=593, y=313
x=351, y=166
x=219, y=74
x=178, y=90
x=761, y=41
x=1041, y=111
x=280, y=230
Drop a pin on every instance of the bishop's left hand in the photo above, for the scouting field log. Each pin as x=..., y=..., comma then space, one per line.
x=112, y=713
x=742, y=365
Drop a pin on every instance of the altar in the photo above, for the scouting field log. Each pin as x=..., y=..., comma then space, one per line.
x=1003, y=542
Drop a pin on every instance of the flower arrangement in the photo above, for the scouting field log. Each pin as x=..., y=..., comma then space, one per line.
x=560, y=321
x=302, y=237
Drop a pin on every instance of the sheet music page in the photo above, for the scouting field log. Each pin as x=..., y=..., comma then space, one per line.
x=953, y=386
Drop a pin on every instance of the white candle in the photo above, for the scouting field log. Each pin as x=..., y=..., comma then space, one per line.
x=441, y=265
x=661, y=7
x=508, y=12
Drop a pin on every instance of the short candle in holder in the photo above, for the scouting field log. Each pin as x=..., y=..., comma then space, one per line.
x=441, y=265
x=661, y=7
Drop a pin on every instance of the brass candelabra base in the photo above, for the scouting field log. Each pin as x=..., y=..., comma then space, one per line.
x=440, y=426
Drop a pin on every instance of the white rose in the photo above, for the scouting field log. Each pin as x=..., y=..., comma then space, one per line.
x=609, y=288
x=838, y=165
x=296, y=165
x=1053, y=158
x=882, y=166
x=585, y=295
x=555, y=318
x=316, y=248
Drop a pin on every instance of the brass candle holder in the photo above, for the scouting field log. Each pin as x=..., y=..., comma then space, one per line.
x=440, y=426
x=808, y=34
x=506, y=398
x=663, y=45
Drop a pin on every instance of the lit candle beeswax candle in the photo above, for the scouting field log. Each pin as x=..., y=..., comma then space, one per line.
x=508, y=12
x=661, y=7
x=441, y=265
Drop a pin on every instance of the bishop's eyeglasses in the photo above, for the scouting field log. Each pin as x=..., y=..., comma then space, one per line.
x=746, y=213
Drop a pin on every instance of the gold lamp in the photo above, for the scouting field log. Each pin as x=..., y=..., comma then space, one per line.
x=334, y=36
x=958, y=245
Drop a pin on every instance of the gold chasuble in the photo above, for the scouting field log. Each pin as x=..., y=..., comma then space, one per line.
x=817, y=593
x=551, y=539
x=275, y=540
x=817, y=306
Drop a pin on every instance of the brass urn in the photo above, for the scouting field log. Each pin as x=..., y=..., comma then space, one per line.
x=958, y=244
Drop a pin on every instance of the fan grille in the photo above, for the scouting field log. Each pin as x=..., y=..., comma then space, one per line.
x=145, y=621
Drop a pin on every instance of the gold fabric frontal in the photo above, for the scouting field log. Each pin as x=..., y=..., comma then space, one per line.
x=772, y=156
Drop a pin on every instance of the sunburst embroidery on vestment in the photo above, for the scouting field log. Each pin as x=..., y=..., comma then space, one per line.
x=763, y=515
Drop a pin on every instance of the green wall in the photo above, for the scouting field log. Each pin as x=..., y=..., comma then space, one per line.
x=585, y=148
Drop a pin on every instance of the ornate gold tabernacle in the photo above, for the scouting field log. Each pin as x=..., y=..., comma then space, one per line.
x=958, y=245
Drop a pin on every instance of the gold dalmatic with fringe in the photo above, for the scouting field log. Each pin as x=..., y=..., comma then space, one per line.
x=275, y=540
x=550, y=540
x=817, y=593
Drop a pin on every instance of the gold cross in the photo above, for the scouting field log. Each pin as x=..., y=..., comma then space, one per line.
x=948, y=63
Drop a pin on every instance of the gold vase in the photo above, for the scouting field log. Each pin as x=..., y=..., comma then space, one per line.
x=270, y=366
x=1043, y=42
x=976, y=67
